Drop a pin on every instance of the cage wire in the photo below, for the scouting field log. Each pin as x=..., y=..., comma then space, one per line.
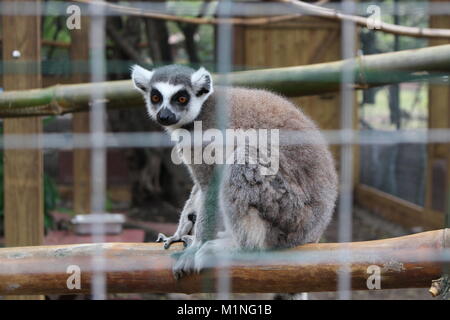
x=99, y=141
x=345, y=203
x=98, y=155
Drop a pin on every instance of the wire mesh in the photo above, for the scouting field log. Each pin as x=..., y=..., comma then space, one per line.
x=221, y=14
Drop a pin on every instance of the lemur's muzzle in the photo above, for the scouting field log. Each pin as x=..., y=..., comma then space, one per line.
x=166, y=117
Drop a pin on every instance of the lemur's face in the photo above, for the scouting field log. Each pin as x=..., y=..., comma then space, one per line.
x=174, y=95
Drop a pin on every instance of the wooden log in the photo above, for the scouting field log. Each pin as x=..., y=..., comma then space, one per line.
x=397, y=210
x=23, y=169
x=403, y=262
x=373, y=70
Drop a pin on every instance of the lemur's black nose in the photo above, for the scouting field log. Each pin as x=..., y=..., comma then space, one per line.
x=166, y=117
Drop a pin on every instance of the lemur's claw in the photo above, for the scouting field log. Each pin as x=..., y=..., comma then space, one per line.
x=167, y=240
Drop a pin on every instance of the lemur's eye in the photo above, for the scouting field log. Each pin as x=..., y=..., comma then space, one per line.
x=155, y=98
x=181, y=98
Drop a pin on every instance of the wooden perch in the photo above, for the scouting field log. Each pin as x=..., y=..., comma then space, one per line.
x=373, y=70
x=404, y=262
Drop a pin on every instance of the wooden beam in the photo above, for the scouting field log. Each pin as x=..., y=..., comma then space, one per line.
x=437, y=192
x=404, y=262
x=23, y=169
x=79, y=52
x=397, y=210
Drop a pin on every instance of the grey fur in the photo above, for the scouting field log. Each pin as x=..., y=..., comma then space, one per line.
x=173, y=74
x=290, y=208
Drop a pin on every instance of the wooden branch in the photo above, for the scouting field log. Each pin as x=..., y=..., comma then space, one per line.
x=124, y=45
x=373, y=70
x=311, y=9
x=326, y=13
x=125, y=10
x=404, y=262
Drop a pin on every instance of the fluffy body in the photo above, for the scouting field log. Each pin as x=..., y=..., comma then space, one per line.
x=290, y=208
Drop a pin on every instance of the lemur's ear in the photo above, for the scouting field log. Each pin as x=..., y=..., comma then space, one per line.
x=202, y=82
x=141, y=78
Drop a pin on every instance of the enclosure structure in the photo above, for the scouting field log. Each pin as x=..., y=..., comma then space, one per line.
x=301, y=41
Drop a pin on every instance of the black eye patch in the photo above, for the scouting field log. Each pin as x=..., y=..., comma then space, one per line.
x=155, y=96
x=181, y=98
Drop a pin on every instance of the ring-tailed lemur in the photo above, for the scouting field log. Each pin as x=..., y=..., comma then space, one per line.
x=289, y=208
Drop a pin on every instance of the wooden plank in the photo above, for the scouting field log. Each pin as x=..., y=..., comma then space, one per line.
x=397, y=210
x=79, y=52
x=403, y=262
x=117, y=193
x=238, y=47
x=23, y=169
x=439, y=117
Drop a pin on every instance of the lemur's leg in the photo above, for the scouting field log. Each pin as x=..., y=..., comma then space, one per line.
x=186, y=261
x=204, y=241
x=187, y=221
x=200, y=254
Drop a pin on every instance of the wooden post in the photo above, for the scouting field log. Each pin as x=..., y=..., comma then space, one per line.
x=438, y=155
x=23, y=169
x=79, y=55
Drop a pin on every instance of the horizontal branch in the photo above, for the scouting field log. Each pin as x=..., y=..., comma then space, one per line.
x=404, y=262
x=331, y=14
x=303, y=8
x=372, y=70
x=131, y=11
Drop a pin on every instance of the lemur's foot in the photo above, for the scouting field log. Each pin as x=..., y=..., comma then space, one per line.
x=198, y=257
x=182, y=233
x=185, y=263
x=167, y=240
x=207, y=255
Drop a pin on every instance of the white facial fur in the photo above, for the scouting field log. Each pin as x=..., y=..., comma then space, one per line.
x=167, y=90
x=199, y=79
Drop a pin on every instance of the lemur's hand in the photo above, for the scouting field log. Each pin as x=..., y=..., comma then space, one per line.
x=167, y=240
x=186, y=239
x=181, y=235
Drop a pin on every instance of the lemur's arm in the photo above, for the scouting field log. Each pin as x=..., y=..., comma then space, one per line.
x=186, y=223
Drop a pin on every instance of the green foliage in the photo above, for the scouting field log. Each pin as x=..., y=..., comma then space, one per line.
x=51, y=197
x=109, y=204
x=385, y=41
